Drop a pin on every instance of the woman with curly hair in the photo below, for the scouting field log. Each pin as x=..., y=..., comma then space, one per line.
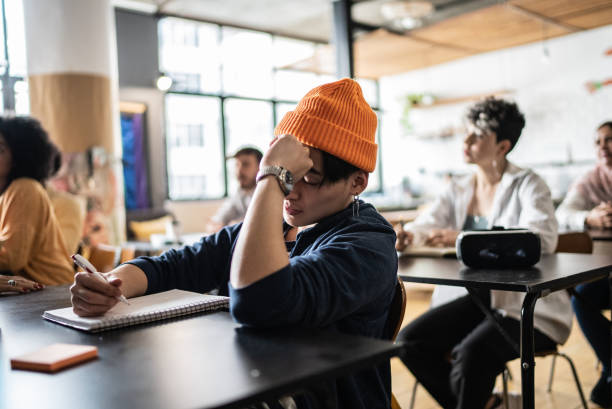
x=453, y=349
x=32, y=250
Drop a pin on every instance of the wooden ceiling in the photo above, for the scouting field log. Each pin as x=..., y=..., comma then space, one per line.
x=515, y=22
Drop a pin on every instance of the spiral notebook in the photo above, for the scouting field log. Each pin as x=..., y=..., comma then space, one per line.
x=148, y=308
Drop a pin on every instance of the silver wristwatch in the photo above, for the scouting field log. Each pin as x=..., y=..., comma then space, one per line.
x=284, y=177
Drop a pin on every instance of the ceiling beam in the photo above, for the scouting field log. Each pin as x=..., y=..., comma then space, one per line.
x=442, y=45
x=543, y=18
x=409, y=33
x=343, y=38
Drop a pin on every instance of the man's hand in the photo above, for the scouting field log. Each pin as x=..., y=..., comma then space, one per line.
x=286, y=151
x=92, y=296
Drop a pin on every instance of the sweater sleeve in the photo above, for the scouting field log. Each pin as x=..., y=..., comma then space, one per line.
x=21, y=207
x=538, y=212
x=350, y=272
x=201, y=267
x=573, y=211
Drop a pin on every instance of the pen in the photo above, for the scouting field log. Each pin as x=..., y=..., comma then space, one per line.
x=87, y=266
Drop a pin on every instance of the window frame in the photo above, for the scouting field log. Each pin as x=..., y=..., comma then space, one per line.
x=222, y=96
x=8, y=80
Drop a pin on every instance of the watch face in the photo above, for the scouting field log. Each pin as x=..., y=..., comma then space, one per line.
x=287, y=176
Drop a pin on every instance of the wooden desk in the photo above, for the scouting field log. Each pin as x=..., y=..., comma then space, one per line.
x=201, y=361
x=146, y=248
x=553, y=273
x=600, y=235
x=399, y=216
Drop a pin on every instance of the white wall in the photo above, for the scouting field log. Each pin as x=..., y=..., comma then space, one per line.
x=561, y=115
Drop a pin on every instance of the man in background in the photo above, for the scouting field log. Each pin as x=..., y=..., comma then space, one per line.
x=234, y=208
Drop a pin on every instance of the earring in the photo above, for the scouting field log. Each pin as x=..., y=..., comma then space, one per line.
x=356, y=206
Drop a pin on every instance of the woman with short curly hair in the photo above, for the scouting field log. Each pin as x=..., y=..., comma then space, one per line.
x=32, y=250
x=453, y=349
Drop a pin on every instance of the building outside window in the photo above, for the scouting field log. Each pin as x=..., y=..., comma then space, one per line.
x=229, y=90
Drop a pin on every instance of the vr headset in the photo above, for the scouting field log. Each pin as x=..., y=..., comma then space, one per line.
x=498, y=248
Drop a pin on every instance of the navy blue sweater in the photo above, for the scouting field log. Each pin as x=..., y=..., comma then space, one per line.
x=341, y=276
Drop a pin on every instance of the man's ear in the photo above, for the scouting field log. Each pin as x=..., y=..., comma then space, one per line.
x=359, y=182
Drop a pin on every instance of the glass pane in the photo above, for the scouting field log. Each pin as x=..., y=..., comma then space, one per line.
x=189, y=53
x=374, y=179
x=247, y=63
x=293, y=85
x=247, y=123
x=193, y=144
x=16, y=37
x=281, y=110
x=22, y=98
x=1, y=97
x=370, y=91
x=288, y=51
x=326, y=78
x=2, y=59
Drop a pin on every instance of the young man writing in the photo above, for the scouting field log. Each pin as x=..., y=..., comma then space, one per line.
x=339, y=274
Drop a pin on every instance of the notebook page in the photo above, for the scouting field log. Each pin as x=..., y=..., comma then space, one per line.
x=141, y=309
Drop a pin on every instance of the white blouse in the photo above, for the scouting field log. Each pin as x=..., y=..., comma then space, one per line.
x=522, y=199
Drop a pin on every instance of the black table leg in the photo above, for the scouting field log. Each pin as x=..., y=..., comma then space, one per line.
x=528, y=350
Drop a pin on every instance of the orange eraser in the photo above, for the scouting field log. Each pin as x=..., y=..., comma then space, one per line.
x=54, y=357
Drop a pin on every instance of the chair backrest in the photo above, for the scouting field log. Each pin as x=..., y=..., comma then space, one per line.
x=104, y=257
x=396, y=311
x=127, y=254
x=574, y=242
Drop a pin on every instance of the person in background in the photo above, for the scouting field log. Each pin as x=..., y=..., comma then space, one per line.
x=234, y=208
x=339, y=274
x=31, y=243
x=588, y=302
x=453, y=349
x=589, y=204
x=69, y=211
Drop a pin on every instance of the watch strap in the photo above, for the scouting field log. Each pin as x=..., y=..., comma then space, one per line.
x=276, y=171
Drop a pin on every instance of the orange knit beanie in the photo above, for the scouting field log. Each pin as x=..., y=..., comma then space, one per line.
x=335, y=118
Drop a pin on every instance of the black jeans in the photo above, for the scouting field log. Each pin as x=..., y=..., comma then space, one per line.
x=456, y=353
x=592, y=298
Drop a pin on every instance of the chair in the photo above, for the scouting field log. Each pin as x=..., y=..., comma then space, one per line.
x=396, y=311
x=574, y=242
x=555, y=353
x=394, y=321
x=105, y=257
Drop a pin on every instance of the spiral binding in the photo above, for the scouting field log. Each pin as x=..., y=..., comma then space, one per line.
x=157, y=315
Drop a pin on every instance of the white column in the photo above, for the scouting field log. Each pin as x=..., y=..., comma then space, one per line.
x=72, y=75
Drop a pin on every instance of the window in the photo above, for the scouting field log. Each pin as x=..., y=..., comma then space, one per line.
x=189, y=53
x=230, y=88
x=193, y=144
x=15, y=98
x=247, y=63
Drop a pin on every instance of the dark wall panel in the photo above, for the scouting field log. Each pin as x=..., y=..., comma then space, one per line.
x=136, y=48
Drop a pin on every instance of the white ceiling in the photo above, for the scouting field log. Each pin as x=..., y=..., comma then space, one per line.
x=308, y=19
